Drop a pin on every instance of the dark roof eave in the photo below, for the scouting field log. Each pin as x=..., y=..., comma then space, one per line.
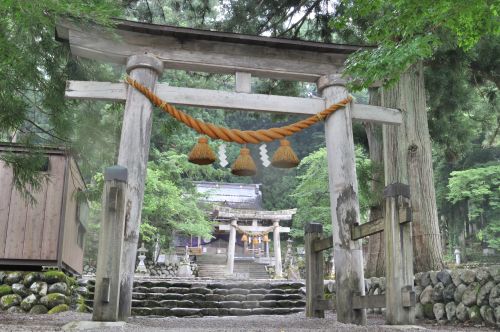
x=190, y=33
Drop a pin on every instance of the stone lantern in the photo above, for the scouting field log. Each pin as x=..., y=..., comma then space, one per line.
x=141, y=267
x=457, y=256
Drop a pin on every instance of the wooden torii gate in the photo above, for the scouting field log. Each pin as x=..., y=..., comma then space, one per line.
x=147, y=49
x=255, y=215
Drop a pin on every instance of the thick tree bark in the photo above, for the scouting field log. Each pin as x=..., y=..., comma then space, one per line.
x=412, y=164
x=375, y=260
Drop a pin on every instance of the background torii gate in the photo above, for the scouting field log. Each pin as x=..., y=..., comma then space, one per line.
x=274, y=216
x=146, y=49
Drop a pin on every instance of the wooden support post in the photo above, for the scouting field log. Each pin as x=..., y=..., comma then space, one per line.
x=399, y=257
x=231, y=246
x=369, y=301
x=133, y=154
x=277, y=250
x=323, y=244
x=348, y=255
x=243, y=82
x=314, y=270
x=107, y=286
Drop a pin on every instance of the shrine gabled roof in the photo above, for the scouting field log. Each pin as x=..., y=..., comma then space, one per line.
x=234, y=195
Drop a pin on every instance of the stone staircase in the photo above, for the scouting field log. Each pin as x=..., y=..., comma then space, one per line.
x=250, y=270
x=200, y=297
x=215, y=267
x=211, y=266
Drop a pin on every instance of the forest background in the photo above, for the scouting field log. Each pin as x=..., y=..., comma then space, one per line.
x=457, y=41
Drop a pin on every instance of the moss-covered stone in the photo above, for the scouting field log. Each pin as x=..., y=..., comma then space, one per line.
x=71, y=281
x=30, y=278
x=13, y=277
x=419, y=311
x=462, y=312
x=470, y=294
x=39, y=288
x=58, y=308
x=20, y=290
x=488, y=315
x=475, y=314
x=429, y=310
x=15, y=310
x=9, y=300
x=54, y=299
x=28, y=302
x=5, y=289
x=82, y=308
x=52, y=277
x=59, y=287
x=2, y=276
x=39, y=309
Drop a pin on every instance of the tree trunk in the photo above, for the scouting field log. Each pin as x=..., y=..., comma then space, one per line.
x=375, y=261
x=412, y=164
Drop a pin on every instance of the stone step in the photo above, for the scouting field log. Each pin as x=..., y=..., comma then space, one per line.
x=167, y=286
x=214, y=298
x=228, y=303
x=250, y=268
x=223, y=285
x=197, y=312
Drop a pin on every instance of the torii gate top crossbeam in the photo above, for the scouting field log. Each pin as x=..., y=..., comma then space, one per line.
x=230, y=213
x=207, y=51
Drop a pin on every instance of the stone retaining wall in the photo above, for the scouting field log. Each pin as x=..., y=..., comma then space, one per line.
x=460, y=295
x=154, y=270
x=40, y=292
x=449, y=296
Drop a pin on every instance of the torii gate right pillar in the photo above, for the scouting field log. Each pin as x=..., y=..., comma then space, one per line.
x=277, y=250
x=344, y=204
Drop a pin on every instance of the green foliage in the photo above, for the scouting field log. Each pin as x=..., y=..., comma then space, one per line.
x=168, y=205
x=34, y=67
x=407, y=31
x=312, y=192
x=170, y=201
x=491, y=234
x=479, y=187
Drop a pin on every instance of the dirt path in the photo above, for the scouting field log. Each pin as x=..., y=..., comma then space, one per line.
x=296, y=322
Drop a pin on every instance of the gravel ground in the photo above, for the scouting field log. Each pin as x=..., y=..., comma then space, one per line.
x=296, y=322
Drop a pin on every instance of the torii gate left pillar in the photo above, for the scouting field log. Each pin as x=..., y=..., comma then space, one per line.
x=133, y=154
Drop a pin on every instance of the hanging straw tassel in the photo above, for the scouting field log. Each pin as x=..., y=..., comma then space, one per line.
x=266, y=238
x=244, y=164
x=202, y=154
x=284, y=157
x=255, y=240
x=244, y=238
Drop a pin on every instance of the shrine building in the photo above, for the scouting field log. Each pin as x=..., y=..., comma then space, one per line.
x=243, y=233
